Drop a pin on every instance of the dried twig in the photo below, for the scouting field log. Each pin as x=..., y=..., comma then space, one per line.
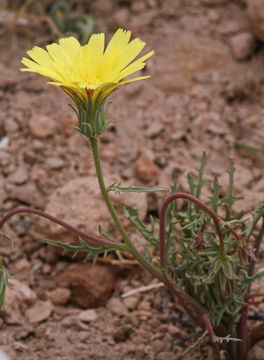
x=142, y=289
x=20, y=12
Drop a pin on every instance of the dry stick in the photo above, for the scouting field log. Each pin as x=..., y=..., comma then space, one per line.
x=95, y=240
x=142, y=289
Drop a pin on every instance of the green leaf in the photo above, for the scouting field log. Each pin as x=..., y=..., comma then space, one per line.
x=131, y=213
x=8, y=238
x=201, y=181
x=192, y=185
x=222, y=280
x=228, y=338
x=196, y=343
x=4, y=276
x=257, y=277
x=214, y=200
x=228, y=270
x=249, y=147
x=84, y=247
x=107, y=235
x=217, y=265
x=229, y=200
x=257, y=214
x=118, y=189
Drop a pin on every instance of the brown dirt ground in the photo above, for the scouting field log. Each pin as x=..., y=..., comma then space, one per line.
x=199, y=98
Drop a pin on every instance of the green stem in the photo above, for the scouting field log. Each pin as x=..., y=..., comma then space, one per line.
x=154, y=270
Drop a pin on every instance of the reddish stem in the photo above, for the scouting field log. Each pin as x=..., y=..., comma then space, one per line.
x=236, y=235
x=95, y=240
x=243, y=333
x=191, y=306
x=209, y=327
x=182, y=195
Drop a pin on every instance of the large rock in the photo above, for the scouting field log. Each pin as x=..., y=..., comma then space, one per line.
x=255, y=12
x=80, y=203
x=90, y=285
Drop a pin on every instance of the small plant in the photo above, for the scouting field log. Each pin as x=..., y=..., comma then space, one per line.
x=82, y=26
x=204, y=255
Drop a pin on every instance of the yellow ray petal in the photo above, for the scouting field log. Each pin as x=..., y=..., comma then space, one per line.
x=59, y=55
x=119, y=40
x=129, y=53
x=71, y=46
x=95, y=48
x=34, y=67
x=135, y=66
x=40, y=56
x=134, y=79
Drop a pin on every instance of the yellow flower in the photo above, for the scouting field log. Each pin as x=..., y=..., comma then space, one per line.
x=88, y=70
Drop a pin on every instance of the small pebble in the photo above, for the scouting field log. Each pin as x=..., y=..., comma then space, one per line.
x=55, y=163
x=88, y=315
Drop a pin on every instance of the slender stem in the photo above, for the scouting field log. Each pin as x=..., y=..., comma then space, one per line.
x=243, y=333
x=154, y=270
x=209, y=327
x=191, y=306
x=94, y=239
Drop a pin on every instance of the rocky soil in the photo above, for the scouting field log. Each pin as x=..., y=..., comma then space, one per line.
x=205, y=94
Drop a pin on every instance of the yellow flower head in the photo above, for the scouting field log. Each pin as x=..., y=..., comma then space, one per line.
x=89, y=69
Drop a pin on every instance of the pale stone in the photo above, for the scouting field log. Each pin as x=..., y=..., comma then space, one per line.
x=42, y=126
x=55, y=163
x=242, y=45
x=39, y=312
x=59, y=296
x=18, y=295
x=117, y=307
x=255, y=12
x=88, y=315
x=146, y=169
x=20, y=176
